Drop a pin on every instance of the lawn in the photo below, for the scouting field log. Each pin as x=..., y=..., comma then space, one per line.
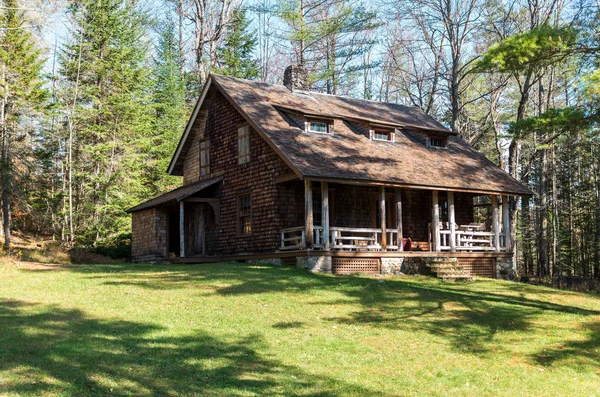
x=240, y=330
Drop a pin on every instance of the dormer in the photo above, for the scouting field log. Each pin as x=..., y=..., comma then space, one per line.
x=318, y=125
x=437, y=141
x=382, y=133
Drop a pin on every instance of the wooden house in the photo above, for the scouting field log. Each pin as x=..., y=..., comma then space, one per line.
x=279, y=174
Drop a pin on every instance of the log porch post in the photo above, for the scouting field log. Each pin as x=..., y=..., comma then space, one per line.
x=181, y=230
x=495, y=226
x=506, y=223
x=399, y=218
x=202, y=227
x=452, y=221
x=435, y=223
x=325, y=214
x=308, y=214
x=382, y=217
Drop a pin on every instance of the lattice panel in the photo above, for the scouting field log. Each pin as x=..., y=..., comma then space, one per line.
x=355, y=265
x=483, y=267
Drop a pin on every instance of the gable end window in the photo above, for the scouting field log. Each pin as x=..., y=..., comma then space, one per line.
x=244, y=215
x=204, y=158
x=380, y=134
x=319, y=126
x=436, y=141
x=244, y=144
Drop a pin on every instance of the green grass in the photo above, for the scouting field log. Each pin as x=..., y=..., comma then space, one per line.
x=239, y=330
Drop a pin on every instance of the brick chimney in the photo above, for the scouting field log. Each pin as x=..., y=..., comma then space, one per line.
x=295, y=77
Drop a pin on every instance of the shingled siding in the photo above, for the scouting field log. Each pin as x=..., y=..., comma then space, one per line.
x=149, y=235
x=256, y=177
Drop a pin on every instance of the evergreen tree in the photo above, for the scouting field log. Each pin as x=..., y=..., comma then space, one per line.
x=110, y=142
x=170, y=104
x=235, y=55
x=20, y=93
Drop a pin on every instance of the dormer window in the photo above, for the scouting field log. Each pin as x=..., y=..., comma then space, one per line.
x=437, y=141
x=382, y=134
x=319, y=126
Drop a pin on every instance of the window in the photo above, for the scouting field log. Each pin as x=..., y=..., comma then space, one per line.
x=204, y=158
x=383, y=135
x=436, y=141
x=318, y=126
x=245, y=215
x=244, y=144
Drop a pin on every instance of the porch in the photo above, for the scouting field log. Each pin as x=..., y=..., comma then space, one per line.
x=433, y=216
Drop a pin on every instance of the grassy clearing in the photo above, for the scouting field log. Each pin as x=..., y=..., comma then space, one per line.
x=239, y=330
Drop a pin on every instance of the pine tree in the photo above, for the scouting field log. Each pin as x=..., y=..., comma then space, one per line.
x=107, y=87
x=170, y=104
x=20, y=93
x=235, y=55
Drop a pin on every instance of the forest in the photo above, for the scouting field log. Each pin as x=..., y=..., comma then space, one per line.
x=94, y=95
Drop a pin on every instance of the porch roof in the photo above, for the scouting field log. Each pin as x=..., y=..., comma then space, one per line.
x=175, y=195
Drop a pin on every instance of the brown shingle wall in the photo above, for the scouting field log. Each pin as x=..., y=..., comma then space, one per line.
x=149, y=235
x=256, y=177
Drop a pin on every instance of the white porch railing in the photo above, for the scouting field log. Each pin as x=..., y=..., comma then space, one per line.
x=294, y=238
x=340, y=238
x=470, y=240
x=369, y=239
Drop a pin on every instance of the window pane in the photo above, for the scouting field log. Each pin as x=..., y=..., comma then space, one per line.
x=437, y=142
x=245, y=215
x=317, y=127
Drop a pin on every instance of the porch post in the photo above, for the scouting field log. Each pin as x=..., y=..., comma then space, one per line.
x=495, y=227
x=506, y=223
x=308, y=214
x=202, y=227
x=325, y=214
x=435, y=224
x=382, y=217
x=399, y=218
x=181, y=230
x=452, y=221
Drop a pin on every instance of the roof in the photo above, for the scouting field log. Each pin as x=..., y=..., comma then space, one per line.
x=175, y=195
x=350, y=156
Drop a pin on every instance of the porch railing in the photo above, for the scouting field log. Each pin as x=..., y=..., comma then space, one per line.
x=470, y=240
x=340, y=238
x=294, y=238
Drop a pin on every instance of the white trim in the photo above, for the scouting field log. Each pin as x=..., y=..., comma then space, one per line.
x=189, y=125
x=309, y=123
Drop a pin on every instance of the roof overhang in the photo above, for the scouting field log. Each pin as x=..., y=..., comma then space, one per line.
x=175, y=195
x=359, y=182
x=188, y=127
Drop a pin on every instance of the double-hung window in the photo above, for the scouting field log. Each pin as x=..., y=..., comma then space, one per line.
x=244, y=210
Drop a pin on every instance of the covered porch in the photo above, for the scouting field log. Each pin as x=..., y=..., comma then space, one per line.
x=402, y=220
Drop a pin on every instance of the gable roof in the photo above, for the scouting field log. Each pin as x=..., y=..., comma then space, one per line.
x=175, y=195
x=351, y=157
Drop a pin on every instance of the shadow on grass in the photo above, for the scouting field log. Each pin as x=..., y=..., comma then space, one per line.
x=463, y=314
x=53, y=350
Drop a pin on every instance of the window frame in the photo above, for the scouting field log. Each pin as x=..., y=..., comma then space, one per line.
x=204, y=147
x=243, y=135
x=240, y=224
x=443, y=141
x=389, y=131
x=328, y=126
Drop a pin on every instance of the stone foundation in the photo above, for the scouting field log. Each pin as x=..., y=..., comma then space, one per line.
x=392, y=266
x=315, y=263
x=505, y=268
